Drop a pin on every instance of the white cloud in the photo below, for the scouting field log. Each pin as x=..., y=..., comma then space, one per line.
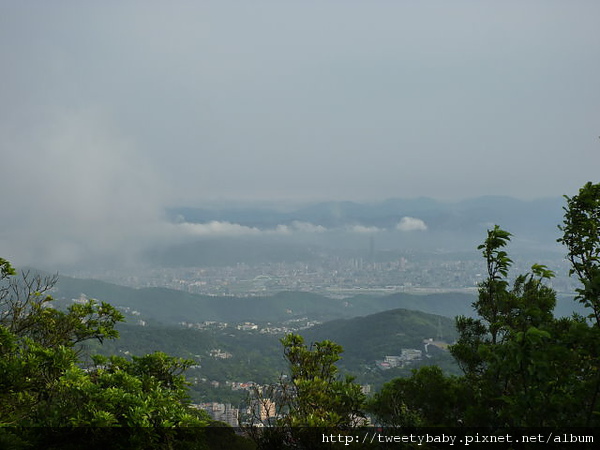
x=411, y=224
x=217, y=228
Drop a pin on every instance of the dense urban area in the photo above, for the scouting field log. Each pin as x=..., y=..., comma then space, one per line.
x=332, y=275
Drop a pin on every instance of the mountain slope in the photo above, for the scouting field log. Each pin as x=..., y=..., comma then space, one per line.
x=386, y=333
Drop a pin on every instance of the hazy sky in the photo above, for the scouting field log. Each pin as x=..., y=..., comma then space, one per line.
x=111, y=110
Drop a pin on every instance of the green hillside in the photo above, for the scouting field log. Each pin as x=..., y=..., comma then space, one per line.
x=259, y=357
x=384, y=333
x=371, y=338
x=254, y=356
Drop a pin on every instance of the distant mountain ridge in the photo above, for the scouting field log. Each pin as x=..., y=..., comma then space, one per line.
x=332, y=212
x=529, y=220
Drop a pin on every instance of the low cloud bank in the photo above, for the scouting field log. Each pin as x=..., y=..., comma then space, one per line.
x=224, y=228
x=228, y=229
x=411, y=224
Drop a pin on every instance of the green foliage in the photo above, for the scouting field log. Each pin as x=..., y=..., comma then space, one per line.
x=6, y=269
x=522, y=366
x=27, y=312
x=581, y=236
x=313, y=396
x=43, y=387
x=427, y=398
x=37, y=342
x=148, y=391
x=492, y=292
x=320, y=399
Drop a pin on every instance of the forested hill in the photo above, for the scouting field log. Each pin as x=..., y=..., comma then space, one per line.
x=386, y=333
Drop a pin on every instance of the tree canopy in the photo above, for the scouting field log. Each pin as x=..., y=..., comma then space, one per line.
x=45, y=386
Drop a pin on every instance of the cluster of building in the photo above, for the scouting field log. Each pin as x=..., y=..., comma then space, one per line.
x=260, y=413
x=223, y=412
x=407, y=356
x=205, y=325
x=217, y=353
x=289, y=326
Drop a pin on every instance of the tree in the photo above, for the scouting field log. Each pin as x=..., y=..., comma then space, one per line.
x=38, y=342
x=524, y=367
x=321, y=399
x=311, y=396
x=492, y=292
x=6, y=269
x=43, y=386
x=426, y=398
x=581, y=236
x=26, y=310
